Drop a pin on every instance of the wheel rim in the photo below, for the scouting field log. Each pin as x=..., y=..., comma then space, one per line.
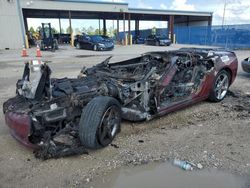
x=108, y=126
x=221, y=86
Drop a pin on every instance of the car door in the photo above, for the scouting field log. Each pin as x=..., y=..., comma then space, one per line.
x=181, y=84
x=149, y=39
x=89, y=43
x=85, y=41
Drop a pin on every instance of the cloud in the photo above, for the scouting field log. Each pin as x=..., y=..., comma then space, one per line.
x=151, y=24
x=163, y=6
x=182, y=5
x=236, y=12
x=142, y=4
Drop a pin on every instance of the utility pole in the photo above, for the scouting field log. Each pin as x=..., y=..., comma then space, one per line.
x=113, y=26
x=224, y=12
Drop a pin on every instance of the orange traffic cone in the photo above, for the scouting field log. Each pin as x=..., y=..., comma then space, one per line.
x=24, y=52
x=38, y=51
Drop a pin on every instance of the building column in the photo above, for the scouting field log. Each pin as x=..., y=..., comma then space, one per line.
x=104, y=27
x=21, y=20
x=25, y=24
x=209, y=20
x=117, y=31
x=60, y=27
x=171, y=27
x=124, y=17
x=99, y=24
x=137, y=26
x=70, y=30
x=129, y=29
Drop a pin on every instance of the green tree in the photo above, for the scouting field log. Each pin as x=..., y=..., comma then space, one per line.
x=115, y=32
x=32, y=30
x=62, y=31
x=84, y=30
x=38, y=29
x=77, y=31
x=91, y=30
x=69, y=30
x=54, y=31
x=153, y=32
x=97, y=32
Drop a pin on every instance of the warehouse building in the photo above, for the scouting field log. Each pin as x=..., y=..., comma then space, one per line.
x=14, y=14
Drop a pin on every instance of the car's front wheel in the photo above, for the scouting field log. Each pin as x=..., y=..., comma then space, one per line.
x=100, y=122
x=220, y=86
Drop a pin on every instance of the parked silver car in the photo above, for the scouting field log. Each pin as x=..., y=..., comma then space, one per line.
x=246, y=65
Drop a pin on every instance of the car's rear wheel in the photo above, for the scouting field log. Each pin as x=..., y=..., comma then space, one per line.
x=220, y=86
x=100, y=122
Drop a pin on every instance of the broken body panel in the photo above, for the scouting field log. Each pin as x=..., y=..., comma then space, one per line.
x=46, y=112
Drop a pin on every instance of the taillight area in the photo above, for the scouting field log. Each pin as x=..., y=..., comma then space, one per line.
x=20, y=126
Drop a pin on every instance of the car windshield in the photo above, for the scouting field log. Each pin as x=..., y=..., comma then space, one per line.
x=96, y=38
x=162, y=37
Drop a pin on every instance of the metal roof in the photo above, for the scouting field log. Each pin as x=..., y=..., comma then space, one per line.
x=169, y=12
x=133, y=10
x=89, y=1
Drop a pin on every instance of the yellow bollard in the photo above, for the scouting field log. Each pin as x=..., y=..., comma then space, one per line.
x=72, y=40
x=174, y=39
x=126, y=39
x=131, y=40
x=26, y=42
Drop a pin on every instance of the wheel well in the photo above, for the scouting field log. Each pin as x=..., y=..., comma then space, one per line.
x=230, y=73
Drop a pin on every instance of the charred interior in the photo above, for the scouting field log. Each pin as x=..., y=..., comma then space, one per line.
x=142, y=86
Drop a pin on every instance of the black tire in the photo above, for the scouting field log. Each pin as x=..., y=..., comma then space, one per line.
x=94, y=123
x=214, y=93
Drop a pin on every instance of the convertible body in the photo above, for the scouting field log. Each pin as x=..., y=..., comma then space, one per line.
x=60, y=117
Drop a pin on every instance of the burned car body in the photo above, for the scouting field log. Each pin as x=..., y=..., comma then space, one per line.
x=65, y=116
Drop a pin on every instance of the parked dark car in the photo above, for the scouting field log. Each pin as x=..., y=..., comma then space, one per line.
x=93, y=42
x=61, y=117
x=107, y=38
x=138, y=40
x=157, y=40
x=245, y=64
x=63, y=38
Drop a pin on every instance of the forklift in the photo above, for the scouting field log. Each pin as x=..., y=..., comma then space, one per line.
x=47, y=38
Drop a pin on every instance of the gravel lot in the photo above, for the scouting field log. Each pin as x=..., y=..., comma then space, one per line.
x=217, y=135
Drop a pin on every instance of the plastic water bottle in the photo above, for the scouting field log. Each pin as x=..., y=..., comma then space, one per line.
x=183, y=164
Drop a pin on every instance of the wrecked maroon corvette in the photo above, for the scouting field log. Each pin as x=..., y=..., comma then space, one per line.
x=61, y=117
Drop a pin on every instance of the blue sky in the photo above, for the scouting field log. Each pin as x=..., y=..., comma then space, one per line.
x=237, y=12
